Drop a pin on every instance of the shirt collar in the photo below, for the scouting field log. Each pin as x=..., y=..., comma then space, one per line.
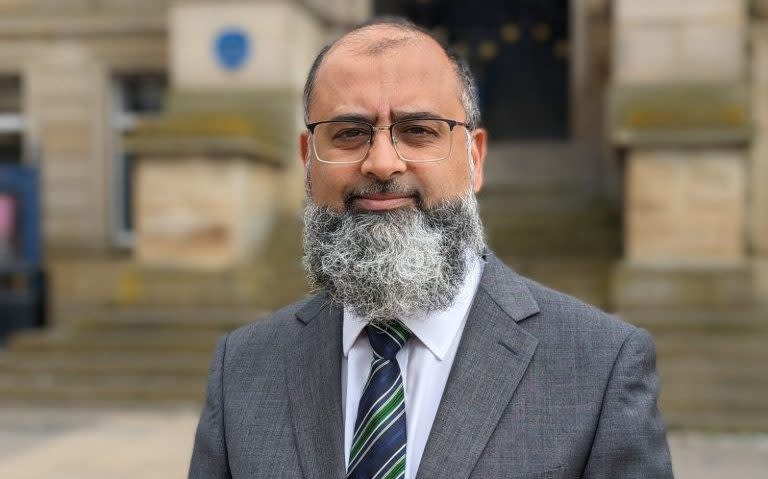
x=436, y=329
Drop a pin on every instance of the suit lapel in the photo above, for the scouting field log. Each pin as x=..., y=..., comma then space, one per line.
x=492, y=357
x=313, y=375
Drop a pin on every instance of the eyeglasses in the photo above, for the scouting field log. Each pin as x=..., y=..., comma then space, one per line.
x=418, y=140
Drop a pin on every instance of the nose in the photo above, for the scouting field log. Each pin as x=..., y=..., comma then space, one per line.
x=382, y=161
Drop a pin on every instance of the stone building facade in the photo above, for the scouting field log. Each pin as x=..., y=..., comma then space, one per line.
x=666, y=107
x=636, y=178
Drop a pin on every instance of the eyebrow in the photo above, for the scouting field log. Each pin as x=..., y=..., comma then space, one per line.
x=353, y=117
x=396, y=116
x=413, y=115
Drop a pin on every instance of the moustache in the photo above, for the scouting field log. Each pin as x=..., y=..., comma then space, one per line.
x=378, y=187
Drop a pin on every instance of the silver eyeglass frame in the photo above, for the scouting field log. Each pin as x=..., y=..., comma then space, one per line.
x=393, y=140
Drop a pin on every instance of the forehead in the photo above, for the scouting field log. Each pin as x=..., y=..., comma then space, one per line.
x=384, y=71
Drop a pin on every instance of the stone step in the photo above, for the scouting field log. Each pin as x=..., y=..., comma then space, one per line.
x=91, y=393
x=538, y=164
x=535, y=199
x=555, y=245
x=116, y=342
x=546, y=201
x=160, y=318
x=745, y=347
x=15, y=378
x=716, y=421
x=547, y=235
x=711, y=398
x=124, y=284
x=585, y=278
x=712, y=366
x=715, y=321
x=549, y=212
x=182, y=365
x=678, y=374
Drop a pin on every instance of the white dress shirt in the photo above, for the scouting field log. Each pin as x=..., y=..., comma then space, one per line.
x=425, y=362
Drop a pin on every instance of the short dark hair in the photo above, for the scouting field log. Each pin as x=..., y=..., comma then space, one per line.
x=467, y=86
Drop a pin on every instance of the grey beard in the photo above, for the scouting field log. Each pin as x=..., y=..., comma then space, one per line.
x=392, y=264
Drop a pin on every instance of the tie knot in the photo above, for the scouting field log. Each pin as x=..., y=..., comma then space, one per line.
x=386, y=340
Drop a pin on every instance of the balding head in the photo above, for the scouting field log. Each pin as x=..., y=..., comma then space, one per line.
x=381, y=36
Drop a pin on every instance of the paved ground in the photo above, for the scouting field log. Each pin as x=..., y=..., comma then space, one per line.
x=128, y=444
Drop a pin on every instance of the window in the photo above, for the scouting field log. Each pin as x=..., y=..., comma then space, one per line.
x=135, y=96
x=11, y=121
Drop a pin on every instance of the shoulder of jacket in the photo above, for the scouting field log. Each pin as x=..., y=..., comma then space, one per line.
x=277, y=324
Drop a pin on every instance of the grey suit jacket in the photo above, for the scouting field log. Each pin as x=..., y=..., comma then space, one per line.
x=542, y=387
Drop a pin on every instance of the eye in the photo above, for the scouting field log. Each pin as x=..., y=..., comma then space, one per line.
x=350, y=134
x=418, y=130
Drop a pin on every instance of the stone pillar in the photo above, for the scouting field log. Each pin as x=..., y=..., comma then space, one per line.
x=224, y=163
x=64, y=100
x=759, y=153
x=680, y=112
x=281, y=40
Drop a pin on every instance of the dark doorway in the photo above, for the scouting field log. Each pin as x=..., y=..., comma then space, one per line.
x=519, y=52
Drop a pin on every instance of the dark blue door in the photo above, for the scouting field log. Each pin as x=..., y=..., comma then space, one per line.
x=519, y=51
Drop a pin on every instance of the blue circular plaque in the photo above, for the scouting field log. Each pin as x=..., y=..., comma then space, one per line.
x=232, y=48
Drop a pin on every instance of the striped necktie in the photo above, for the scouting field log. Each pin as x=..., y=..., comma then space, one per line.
x=378, y=445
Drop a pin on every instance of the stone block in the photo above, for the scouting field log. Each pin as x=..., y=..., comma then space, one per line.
x=342, y=12
x=660, y=41
x=759, y=203
x=759, y=48
x=658, y=53
x=685, y=206
x=270, y=44
x=632, y=11
x=201, y=212
x=761, y=281
x=67, y=228
x=690, y=114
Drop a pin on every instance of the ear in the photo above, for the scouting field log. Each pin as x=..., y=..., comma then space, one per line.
x=479, y=150
x=304, y=146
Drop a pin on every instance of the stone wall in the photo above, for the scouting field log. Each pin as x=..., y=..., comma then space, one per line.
x=663, y=41
x=283, y=42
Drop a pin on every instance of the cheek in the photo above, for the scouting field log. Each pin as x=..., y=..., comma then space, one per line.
x=442, y=181
x=327, y=185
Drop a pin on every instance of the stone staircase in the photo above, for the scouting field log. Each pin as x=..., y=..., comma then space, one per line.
x=712, y=366
x=545, y=217
x=559, y=239
x=113, y=360
x=127, y=335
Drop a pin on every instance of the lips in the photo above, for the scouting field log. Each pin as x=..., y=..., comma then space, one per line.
x=383, y=202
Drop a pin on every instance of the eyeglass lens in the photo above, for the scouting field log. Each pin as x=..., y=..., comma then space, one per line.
x=414, y=140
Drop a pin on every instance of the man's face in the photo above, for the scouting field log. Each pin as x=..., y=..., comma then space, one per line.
x=382, y=88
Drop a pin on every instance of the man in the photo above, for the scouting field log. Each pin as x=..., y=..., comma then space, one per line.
x=422, y=356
